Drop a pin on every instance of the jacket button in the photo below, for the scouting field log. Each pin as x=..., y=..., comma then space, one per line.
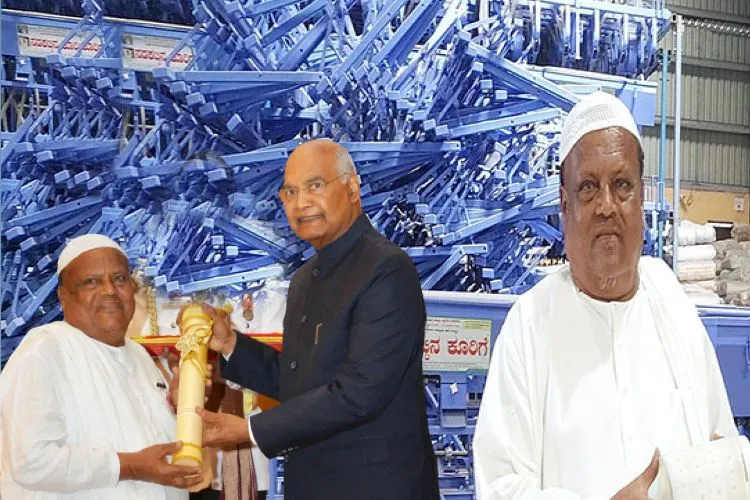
x=293, y=365
x=316, y=272
x=304, y=318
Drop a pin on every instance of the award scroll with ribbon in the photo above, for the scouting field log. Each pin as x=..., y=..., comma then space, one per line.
x=195, y=332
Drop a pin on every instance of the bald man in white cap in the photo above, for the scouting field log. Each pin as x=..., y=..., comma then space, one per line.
x=83, y=410
x=606, y=361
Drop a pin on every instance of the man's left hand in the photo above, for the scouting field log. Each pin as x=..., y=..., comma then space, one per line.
x=222, y=429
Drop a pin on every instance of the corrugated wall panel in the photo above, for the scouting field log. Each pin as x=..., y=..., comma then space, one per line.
x=736, y=7
x=712, y=98
x=707, y=157
x=711, y=94
x=713, y=45
x=710, y=44
x=714, y=95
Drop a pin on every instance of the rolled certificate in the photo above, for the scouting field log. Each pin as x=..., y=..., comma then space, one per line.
x=195, y=331
x=717, y=470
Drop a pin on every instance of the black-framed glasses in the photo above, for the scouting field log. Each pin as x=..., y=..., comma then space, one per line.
x=314, y=187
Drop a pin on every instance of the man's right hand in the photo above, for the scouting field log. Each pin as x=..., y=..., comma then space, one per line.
x=223, y=339
x=150, y=465
x=638, y=488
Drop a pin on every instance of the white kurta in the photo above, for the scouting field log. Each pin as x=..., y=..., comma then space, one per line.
x=68, y=404
x=580, y=392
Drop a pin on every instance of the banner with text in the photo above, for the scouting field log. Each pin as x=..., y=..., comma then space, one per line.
x=144, y=53
x=41, y=41
x=456, y=344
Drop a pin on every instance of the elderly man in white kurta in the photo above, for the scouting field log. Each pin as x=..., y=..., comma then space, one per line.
x=83, y=410
x=605, y=364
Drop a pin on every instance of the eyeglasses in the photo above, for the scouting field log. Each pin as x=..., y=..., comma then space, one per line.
x=316, y=187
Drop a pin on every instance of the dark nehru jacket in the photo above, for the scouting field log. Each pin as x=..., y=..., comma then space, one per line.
x=352, y=425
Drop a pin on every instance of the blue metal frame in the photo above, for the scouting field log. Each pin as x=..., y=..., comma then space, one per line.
x=452, y=131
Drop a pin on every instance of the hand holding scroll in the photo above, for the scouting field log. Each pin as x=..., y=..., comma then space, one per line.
x=222, y=429
x=151, y=465
x=223, y=339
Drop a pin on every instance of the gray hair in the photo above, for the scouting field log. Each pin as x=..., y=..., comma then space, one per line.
x=344, y=162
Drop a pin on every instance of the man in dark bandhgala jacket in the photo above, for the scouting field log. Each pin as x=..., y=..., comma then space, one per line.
x=351, y=424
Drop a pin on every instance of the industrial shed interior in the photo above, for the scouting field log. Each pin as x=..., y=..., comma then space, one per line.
x=167, y=126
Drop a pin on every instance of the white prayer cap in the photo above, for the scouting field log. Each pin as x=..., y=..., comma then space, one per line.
x=596, y=111
x=84, y=243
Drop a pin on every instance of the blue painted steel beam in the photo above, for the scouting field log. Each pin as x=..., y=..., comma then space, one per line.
x=475, y=212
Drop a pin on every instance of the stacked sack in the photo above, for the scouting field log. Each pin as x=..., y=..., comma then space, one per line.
x=733, y=264
x=696, y=268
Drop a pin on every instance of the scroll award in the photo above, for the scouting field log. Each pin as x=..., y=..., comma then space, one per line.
x=195, y=332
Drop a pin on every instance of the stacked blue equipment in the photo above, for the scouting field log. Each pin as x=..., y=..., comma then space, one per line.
x=450, y=110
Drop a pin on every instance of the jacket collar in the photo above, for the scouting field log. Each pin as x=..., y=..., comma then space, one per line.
x=331, y=254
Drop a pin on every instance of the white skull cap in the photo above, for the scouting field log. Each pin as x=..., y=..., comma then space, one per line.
x=84, y=243
x=596, y=111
